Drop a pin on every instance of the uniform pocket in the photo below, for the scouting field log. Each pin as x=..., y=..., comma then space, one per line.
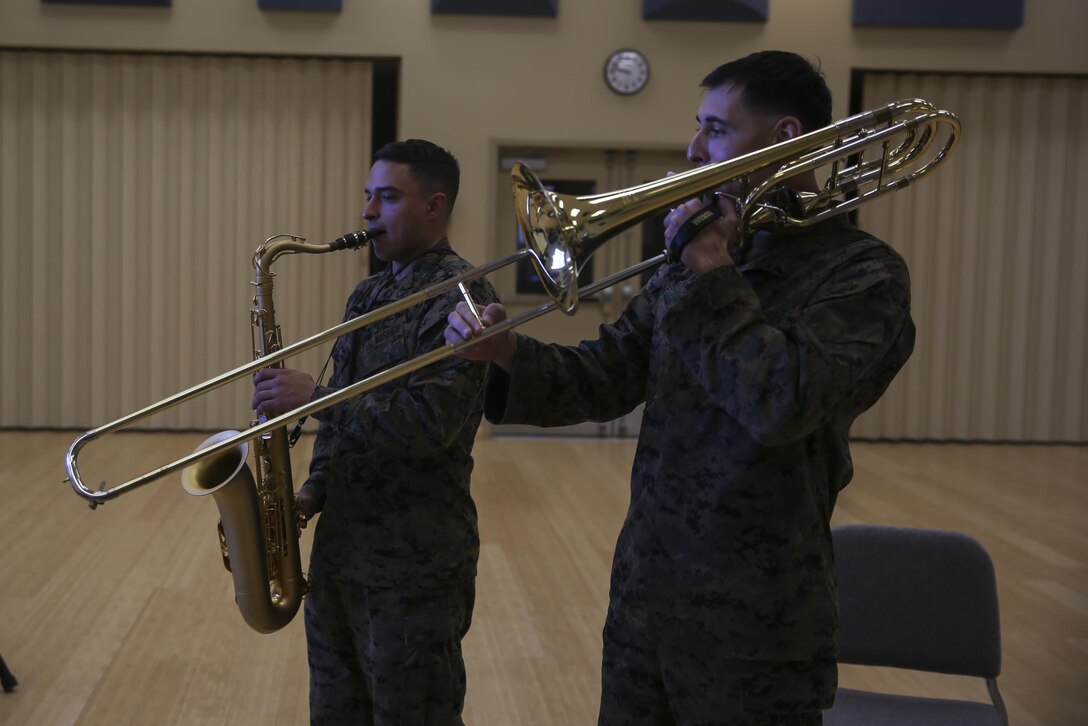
x=433, y=627
x=434, y=671
x=787, y=687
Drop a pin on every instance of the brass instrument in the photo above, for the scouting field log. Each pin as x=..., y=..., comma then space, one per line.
x=259, y=520
x=568, y=229
x=562, y=232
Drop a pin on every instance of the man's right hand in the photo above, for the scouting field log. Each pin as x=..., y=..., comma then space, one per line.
x=498, y=349
x=308, y=505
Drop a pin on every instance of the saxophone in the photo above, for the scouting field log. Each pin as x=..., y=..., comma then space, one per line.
x=260, y=518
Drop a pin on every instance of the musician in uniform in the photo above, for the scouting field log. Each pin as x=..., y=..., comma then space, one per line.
x=396, y=546
x=753, y=360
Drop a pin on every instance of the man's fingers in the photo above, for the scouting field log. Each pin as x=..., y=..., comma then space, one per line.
x=265, y=388
x=463, y=321
x=493, y=314
x=457, y=328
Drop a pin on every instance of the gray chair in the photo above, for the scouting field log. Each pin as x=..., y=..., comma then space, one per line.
x=922, y=600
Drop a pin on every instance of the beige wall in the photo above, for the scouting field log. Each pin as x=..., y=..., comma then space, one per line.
x=471, y=83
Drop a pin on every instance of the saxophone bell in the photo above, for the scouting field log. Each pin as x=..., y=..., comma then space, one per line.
x=268, y=580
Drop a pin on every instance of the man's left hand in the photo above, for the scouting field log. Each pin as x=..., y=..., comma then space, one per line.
x=279, y=390
x=709, y=249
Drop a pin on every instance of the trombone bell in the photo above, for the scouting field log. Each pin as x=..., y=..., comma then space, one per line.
x=548, y=234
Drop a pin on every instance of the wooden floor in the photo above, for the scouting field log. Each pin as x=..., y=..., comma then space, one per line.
x=124, y=615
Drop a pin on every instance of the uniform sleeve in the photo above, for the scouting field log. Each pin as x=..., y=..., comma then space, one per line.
x=556, y=385
x=422, y=412
x=781, y=381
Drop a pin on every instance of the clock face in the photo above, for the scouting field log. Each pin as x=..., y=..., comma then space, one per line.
x=626, y=71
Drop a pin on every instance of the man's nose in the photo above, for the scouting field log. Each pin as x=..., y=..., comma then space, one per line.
x=696, y=154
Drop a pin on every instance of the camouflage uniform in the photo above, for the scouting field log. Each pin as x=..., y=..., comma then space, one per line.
x=723, y=597
x=395, y=548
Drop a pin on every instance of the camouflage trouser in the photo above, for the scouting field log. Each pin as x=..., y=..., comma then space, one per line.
x=655, y=674
x=386, y=657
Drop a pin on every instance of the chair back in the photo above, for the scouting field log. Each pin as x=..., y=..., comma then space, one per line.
x=916, y=598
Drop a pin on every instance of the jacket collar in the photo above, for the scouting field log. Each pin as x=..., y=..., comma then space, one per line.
x=783, y=252
x=419, y=269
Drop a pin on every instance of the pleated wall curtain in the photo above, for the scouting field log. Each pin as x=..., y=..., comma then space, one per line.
x=997, y=243
x=134, y=190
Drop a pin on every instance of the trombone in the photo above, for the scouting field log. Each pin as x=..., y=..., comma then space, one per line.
x=912, y=137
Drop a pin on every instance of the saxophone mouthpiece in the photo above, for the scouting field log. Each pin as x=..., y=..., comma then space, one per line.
x=354, y=240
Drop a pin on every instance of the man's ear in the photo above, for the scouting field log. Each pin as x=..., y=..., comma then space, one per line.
x=437, y=205
x=786, y=128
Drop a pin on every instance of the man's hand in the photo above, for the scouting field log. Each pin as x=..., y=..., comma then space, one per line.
x=308, y=506
x=709, y=249
x=279, y=390
x=498, y=349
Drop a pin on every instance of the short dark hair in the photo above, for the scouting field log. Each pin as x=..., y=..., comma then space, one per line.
x=778, y=82
x=435, y=168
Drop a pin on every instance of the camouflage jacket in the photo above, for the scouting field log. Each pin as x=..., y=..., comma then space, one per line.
x=752, y=376
x=391, y=467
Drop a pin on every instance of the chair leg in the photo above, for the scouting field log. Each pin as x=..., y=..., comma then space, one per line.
x=6, y=678
x=999, y=703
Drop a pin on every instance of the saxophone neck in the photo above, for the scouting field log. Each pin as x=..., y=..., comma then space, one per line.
x=273, y=247
x=288, y=244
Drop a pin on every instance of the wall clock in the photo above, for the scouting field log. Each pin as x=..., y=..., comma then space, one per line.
x=626, y=71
